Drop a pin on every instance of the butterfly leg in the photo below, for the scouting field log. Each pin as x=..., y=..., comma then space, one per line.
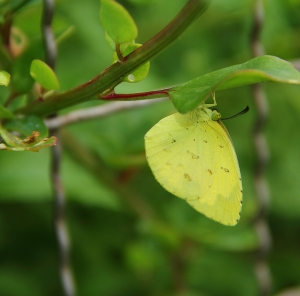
x=214, y=101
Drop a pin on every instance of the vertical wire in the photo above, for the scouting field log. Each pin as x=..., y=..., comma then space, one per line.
x=61, y=232
x=262, y=152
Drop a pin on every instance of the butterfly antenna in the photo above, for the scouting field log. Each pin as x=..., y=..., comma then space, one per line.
x=238, y=114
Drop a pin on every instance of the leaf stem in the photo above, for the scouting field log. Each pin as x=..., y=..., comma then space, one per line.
x=114, y=74
x=136, y=96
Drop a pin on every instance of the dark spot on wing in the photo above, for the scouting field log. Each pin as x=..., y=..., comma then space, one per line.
x=194, y=156
x=187, y=177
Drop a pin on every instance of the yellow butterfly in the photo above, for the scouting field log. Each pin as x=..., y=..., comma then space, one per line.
x=191, y=155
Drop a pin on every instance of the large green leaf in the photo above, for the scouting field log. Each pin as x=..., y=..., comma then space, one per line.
x=189, y=95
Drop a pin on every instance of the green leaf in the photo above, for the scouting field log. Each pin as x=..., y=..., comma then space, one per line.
x=45, y=143
x=44, y=75
x=9, y=139
x=34, y=142
x=27, y=125
x=4, y=78
x=4, y=113
x=189, y=95
x=117, y=22
x=141, y=72
x=109, y=41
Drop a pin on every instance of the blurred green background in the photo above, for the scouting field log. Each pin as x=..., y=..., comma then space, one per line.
x=116, y=249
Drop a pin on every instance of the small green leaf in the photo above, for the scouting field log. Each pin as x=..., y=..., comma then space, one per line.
x=109, y=40
x=34, y=142
x=4, y=78
x=189, y=95
x=9, y=138
x=27, y=125
x=4, y=113
x=44, y=75
x=45, y=143
x=117, y=22
x=141, y=72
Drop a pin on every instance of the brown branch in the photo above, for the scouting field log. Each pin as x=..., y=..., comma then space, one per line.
x=60, y=226
x=95, y=112
x=260, y=143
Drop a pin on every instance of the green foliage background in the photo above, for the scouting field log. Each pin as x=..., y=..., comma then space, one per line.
x=116, y=251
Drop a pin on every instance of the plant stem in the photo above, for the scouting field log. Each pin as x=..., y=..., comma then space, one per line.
x=137, y=96
x=114, y=75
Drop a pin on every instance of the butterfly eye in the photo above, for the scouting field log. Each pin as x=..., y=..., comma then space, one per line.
x=215, y=116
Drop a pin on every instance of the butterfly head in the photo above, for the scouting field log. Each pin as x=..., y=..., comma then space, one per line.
x=215, y=115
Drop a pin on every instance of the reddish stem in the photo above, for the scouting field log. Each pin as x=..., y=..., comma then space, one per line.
x=136, y=96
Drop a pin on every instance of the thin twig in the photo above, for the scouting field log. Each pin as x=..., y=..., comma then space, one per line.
x=262, y=229
x=58, y=192
x=96, y=112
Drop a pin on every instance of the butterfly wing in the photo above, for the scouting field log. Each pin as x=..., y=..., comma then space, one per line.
x=197, y=162
x=223, y=202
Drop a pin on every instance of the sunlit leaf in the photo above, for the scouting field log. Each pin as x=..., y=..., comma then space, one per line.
x=117, y=22
x=44, y=75
x=110, y=41
x=189, y=95
x=4, y=78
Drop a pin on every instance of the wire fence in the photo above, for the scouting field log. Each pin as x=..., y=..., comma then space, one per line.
x=60, y=226
x=261, y=147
